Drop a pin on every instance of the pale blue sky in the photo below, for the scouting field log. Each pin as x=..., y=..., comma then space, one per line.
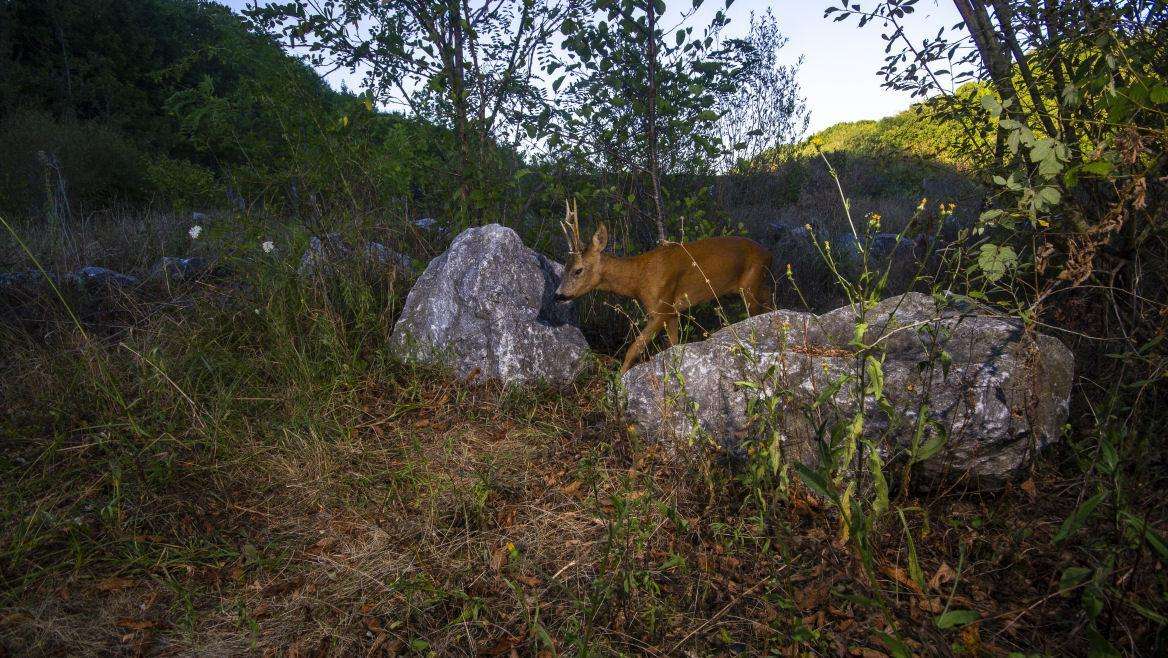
x=839, y=71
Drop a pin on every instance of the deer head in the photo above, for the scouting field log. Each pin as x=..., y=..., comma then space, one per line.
x=582, y=271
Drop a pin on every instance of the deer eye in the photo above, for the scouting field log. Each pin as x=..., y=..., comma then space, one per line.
x=578, y=270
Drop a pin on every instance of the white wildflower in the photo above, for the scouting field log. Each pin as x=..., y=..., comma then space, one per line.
x=195, y=231
x=268, y=246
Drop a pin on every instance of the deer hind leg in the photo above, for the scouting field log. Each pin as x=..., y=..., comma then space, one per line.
x=638, y=346
x=756, y=292
x=671, y=323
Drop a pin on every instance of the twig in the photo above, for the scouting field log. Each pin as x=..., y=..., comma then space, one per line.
x=713, y=619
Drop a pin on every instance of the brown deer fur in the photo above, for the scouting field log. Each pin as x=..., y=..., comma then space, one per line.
x=666, y=280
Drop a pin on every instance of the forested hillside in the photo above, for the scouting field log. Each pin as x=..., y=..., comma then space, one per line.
x=172, y=103
x=918, y=133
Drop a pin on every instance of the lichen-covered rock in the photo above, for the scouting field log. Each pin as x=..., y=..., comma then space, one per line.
x=25, y=278
x=324, y=252
x=485, y=308
x=884, y=250
x=430, y=224
x=996, y=394
x=173, y=268
x=92, y=276
x=87, y=278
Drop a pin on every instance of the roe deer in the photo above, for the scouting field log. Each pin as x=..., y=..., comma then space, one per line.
x=666, y=280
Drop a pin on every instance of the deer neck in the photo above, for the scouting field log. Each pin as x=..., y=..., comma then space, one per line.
x=622, y=276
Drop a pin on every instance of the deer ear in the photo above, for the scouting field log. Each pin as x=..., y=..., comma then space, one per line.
x=600, y=237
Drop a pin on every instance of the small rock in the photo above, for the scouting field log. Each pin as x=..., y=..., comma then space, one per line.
x=26, y=278
x=429, y=224
x=485, y=309
x=379, y=253
x=322, y=253
x=172, y=268
x=91, y=276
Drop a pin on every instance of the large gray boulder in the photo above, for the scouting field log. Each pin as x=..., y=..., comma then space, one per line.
x=995, y=392
x=485, y=307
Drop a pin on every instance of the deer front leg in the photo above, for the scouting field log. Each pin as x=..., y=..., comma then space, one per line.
x=642, y=340
x=671, y=329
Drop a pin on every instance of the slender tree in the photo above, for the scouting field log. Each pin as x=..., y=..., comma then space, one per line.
x=474, y=69
x=764, y=111
x=641, y=98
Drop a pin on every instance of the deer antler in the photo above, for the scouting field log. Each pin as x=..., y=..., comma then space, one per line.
x=571, y=227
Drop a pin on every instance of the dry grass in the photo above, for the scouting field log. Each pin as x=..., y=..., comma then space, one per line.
x=239, y=466
x=455, y=521
x=124, y=240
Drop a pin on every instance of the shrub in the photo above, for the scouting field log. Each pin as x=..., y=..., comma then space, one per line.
x=94, y=164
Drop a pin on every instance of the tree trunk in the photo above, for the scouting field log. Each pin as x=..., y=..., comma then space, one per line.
x=994, y=56
x=1006, y=21
x=651, y=137
x=458, y=93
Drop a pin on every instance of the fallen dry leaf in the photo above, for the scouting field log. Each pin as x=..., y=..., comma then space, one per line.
x=504, y=645
x=944, y=575
x=971, y=637
x=901, y=576
x=932, y=605
x=114, y=584
x=498, y=559
x=1030, y=489
x=505, y=518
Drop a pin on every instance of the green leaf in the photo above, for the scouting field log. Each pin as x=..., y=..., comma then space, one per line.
x=875, y=372
x=894, y=645
x=1099, y=168
x=1154, y=616
x=814, y=481
x=858, y=332
x=1159, y=95
x=1050, y=195
x=1141, y=526
x=930, y=448
x=994, y=260
x=1079, y=517
x=991, y=105
x=1073, y=576
x=955, y=618
x=914, y=565
x=879, y=483
x=1098, y=646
